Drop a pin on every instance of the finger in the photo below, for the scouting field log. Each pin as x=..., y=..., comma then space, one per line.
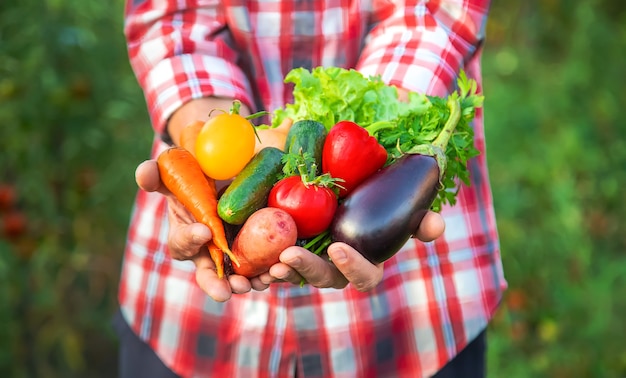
x=206, y=277
x=148, y=179
x=239, y=284
x=186, y=240
x=258, y=285
x=315, y=270
x=267, y=279
x=178, y=213
x=282, y=272
x=431, y=227
x=361, y=273
x=285, y=125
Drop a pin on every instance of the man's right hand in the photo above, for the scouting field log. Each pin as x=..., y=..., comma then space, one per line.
x=187, y=241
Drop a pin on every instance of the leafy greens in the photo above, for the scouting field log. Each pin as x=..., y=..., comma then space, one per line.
x=329, y=95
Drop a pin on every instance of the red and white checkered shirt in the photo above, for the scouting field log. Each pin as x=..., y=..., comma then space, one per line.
x=434, y=298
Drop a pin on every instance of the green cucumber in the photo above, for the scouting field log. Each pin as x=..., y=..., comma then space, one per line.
x=307, y=136
x=249, y=190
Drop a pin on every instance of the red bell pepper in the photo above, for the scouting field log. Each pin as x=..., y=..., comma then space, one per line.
x=350, y=153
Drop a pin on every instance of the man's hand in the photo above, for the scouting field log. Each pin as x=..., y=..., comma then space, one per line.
x=187, y=241
x=344, y=265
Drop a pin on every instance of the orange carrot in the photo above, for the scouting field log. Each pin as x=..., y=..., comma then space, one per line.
x=188, y=137
x=188, y=141
x=189, y=134
x=182, y=175
x=218, y=258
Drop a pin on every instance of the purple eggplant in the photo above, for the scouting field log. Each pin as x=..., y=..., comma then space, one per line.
x=379, y=216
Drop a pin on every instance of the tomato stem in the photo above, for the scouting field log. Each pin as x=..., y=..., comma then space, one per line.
x=257, y=115
x=235, y=107
x=305, y=175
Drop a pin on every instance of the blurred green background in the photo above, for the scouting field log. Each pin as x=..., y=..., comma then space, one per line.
x=73, y=127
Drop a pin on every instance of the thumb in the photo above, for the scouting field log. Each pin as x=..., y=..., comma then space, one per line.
x=148, y=178
x=362, y=274
x=186, y=240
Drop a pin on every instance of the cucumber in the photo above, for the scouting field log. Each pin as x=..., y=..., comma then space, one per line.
x=307, y=136
x=249, y=190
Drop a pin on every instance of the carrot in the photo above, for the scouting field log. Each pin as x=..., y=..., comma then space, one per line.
x=218, y=258
x=182, y=175
x=189, y=134
x=188, y=137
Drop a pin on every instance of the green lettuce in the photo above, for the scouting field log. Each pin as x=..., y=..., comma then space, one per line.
x=330, y=95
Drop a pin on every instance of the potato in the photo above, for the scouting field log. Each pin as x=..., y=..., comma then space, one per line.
x=264, y=235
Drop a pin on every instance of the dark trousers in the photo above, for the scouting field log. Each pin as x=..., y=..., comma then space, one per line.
x=137, y=360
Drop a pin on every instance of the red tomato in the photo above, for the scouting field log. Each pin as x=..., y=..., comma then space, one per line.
x=13, y=224
x=311, y=206
x=7, y=196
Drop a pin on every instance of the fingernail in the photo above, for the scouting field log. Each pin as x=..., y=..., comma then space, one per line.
x=200, y=236
x=290, y=258
x=294, y=262
x=339, y=255
x=284, y=277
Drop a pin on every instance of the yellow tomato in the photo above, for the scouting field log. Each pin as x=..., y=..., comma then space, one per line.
x=225, y=145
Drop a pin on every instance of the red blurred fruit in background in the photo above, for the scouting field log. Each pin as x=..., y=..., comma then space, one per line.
x=13, y=224
x=7, y=197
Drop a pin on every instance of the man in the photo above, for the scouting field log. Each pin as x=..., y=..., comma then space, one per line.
x=409, y=317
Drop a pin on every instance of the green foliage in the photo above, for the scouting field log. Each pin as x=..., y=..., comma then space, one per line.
x=74, y=128
x=558, y=164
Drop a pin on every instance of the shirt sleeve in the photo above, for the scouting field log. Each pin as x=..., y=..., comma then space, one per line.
x=179, y=51
x=421, y=45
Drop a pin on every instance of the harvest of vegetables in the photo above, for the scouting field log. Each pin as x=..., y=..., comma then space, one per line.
x=358, y=166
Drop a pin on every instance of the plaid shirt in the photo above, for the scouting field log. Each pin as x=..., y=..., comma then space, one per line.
x=434, y=298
